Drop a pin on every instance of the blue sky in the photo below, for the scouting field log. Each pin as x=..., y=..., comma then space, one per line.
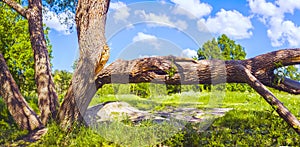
x=179, y=27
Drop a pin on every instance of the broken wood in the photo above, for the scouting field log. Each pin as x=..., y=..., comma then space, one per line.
x=258, y=72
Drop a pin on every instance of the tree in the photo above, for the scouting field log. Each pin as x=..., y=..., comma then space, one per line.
x=16, y=49
x=223, y=48
x=94, y=53
x=47, y=98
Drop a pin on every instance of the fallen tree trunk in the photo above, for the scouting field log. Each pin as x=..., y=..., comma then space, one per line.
x=257, y=72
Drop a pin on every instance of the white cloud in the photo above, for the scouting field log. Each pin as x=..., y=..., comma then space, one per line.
x=189, y=53
x=231, y=23
x=121, y=11
x=144, y=37
x=192, y=8
x=283, y=31
x=280, y=31
x=263, y=8
x=147, y=39
x=161, y=20
x=60, y=22
x=288, y=5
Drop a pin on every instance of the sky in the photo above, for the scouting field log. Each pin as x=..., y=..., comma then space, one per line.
x=137, y=28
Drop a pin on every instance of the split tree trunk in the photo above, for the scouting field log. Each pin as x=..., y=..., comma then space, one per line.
x=23, y=115
x=257, y=72
x=94, y=53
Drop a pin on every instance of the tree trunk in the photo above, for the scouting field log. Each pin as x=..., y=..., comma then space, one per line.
x=257, y=72
x=47, y=97
x=94, y=53
x=23, y=115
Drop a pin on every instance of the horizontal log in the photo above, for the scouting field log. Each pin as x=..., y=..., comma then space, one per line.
x=177, y=70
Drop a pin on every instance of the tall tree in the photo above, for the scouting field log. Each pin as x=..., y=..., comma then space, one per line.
x=94, y=53
x=47, y=97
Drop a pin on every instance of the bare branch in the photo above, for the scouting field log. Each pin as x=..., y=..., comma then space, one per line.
x=16, y=6
x=189, y=71
x=271, y=99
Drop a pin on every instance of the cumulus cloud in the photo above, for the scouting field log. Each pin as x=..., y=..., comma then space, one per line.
x=161, y=20
x=231, y=23
x=280, y=31
x=284, y=31
x=121, y=11
x=60, y=22
x=189, y=53
x=147, y=38
x=143, y=37
x=192, y=8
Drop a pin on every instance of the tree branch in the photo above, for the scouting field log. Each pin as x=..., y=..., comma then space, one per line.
x=271, y=99
x=16, y=6
x=174, y=70
x=189, y=71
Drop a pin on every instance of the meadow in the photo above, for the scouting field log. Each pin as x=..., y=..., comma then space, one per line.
x=252, y=122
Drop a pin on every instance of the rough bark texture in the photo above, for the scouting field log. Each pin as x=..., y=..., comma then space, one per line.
x=16, y=6
x=48, y=101
x=24, y=116
x=94, y=53
x=257, y=72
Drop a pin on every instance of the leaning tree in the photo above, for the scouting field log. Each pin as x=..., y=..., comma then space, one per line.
x=89, y=74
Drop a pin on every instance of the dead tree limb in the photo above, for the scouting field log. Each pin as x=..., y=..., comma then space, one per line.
x=257, y=72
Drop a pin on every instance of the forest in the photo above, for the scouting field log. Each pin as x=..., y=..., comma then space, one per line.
x=217, y=98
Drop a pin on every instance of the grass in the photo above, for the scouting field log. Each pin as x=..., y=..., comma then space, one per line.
x=252, y=122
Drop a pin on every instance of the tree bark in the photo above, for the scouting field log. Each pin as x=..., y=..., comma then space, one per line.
x=94, y=53
x=23, y=115
x=257, y=72
x=47, y=97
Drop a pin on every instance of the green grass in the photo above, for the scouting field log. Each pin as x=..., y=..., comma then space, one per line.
x=252, y=122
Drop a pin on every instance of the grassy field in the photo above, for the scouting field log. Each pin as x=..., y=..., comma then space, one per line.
x=252, y=122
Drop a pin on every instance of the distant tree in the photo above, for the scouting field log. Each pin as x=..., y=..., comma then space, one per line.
x=224, y=49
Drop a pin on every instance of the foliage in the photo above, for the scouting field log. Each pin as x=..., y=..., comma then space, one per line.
x=9, y=131
x=285, y=71
x=62, y=79
x=224, y=49
x=16, y=48
x=140, y=89
x=79, y=136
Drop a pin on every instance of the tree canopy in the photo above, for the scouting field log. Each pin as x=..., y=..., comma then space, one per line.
x=223, y=48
